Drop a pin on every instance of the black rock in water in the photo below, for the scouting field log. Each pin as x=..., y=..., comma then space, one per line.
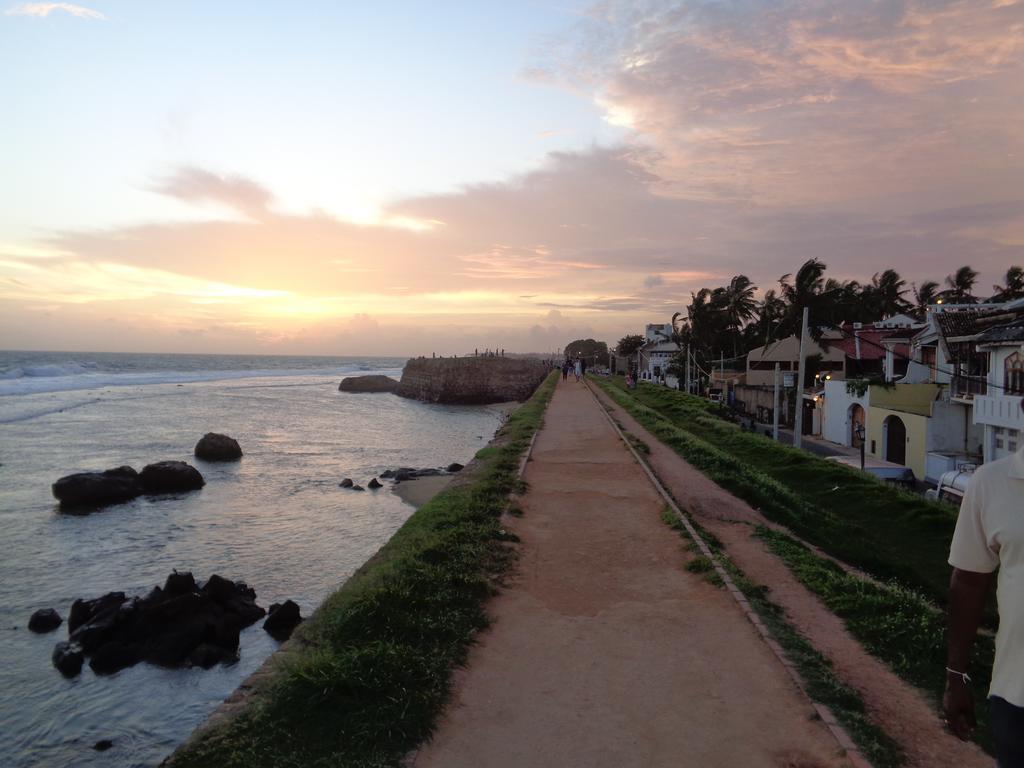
x=393, y=473
x=368, y=383
x=182, y=623
x=455, y=467
x=44, y=620
x=85, y=490
x=358, y=488
x=68, y=658
x=374, y=484
x=346, y=483
x=103, y=745
x=282, y=620
x=113, y=656
x=216, y=447
x=170, y=477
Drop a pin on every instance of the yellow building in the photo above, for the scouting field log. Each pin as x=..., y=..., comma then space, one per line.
x=907, y=422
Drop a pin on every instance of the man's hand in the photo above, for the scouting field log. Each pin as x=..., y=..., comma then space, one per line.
x=958, y=704
x=967, y=591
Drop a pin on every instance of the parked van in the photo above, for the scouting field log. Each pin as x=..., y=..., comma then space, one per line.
x=952, y=485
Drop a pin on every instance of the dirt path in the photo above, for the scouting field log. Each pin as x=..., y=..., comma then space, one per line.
x=604, y=650
x=899, y=708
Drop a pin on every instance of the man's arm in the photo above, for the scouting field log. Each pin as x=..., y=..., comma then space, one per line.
x=967, y=593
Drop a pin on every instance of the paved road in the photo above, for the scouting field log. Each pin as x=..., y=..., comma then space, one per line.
x=605, y=652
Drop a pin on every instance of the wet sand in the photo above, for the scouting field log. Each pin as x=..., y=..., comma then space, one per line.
x=420, y=490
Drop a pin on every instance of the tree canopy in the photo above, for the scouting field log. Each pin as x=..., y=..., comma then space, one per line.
x=628, y=345
x=594, y=351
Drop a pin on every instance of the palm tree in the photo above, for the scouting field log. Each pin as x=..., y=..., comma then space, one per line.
x=740, y=304
x=887, y=292
x=807, y=289
x=770, y=313
x=924, y=297
x=1014, y=287
x=960, y=286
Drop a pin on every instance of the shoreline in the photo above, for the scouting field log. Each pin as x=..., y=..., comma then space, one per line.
x=419, y=490
x=258, y=689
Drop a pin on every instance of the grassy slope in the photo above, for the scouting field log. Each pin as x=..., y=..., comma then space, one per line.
x=376, y=672
x=896, y=624
x=886, y=532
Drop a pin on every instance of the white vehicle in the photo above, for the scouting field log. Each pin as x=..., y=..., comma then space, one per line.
x=886, y=471
x=952, y=485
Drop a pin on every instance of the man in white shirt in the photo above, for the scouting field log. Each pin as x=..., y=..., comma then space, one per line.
x=989, y=536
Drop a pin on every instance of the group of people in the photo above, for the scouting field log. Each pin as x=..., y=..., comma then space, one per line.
x=578, y=367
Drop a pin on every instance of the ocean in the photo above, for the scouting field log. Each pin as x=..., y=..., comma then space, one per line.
x=276, y=519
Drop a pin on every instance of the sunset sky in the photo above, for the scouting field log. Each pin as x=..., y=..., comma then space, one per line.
x=412, y=177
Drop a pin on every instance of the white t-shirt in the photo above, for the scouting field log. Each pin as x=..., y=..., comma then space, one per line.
x=990, y=534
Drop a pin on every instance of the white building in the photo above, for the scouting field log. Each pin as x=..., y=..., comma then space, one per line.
x=845, y=410
x=1000, y=409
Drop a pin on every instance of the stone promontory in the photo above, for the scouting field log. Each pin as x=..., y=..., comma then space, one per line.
x=471, y=380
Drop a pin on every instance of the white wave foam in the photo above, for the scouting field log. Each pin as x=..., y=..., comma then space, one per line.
x=47, y=371
x=71, y=380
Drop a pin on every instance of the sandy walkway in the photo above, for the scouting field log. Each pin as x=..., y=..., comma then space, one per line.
x=899, y=708
x=604, y=650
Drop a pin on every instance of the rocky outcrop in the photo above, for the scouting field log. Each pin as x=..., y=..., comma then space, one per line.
x=180, y=624
x=170, y=477
x=371, y=383
x=409, y=473
x=471, y=380
x=84, y=492
x=216, y=447
x=44, y=620
x=282, y=619
x=68, y=658
x=374, y=484
x=97, y=489
x=454, y=467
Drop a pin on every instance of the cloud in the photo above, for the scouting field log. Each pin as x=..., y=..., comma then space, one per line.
x=805, y=103
x=43, y=10
x=652, y=281
x=196, y=185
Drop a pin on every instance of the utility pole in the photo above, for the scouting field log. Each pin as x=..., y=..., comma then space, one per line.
x=721, y=367
x=775, y=409
x=798, y=426
x=687, y=369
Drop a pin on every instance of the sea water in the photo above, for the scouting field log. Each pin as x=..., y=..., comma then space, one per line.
x=277, y=519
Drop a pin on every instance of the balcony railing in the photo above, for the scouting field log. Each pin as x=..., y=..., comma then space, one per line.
x=999, y=411
x=967, y=387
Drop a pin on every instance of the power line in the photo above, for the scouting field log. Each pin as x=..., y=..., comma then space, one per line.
x=930, y=366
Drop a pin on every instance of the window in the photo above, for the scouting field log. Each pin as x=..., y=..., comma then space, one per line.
x=1012, y=440
x=1015, y=374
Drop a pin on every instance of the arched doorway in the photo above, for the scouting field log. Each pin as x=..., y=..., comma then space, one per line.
x=856, y=420
x=895, y=440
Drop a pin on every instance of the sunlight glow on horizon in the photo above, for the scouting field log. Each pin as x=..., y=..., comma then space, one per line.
x=403, y=175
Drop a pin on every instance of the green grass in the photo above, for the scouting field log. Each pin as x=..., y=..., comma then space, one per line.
x=887, y=532
x=894, y=624
x=897, y=537
x=819, y=678
x=376, y=672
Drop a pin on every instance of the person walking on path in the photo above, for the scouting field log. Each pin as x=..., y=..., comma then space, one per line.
x=989, y=535
x=583, y=367
x=579, y=368
x=565, y=370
